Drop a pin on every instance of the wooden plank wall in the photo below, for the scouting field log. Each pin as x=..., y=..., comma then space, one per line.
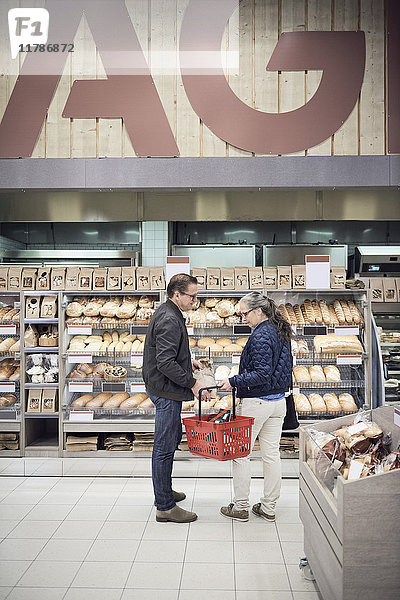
x=252, y=31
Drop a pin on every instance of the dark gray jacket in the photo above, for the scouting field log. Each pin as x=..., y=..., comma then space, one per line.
x=167, y=364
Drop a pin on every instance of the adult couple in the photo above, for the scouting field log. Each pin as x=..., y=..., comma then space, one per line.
x=264, y=377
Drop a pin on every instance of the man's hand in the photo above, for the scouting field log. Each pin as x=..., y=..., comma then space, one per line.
x=204, y=395
x=196, y=364
x=226, y=386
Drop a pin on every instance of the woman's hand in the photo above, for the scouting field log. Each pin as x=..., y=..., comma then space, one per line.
x=226, y=386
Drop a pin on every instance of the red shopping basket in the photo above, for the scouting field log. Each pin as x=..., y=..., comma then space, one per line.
x=222, y=441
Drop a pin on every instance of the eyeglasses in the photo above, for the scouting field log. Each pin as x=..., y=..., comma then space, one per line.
x=192, y=296
x=244, y=314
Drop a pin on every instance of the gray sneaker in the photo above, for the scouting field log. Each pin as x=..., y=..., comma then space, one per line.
x=238, y=515
x=175, y=515
x=257, y=510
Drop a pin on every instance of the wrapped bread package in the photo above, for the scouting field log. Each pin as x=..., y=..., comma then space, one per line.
x=128, y=278
x=298, y=277
x=213, y=278
x=270, y=278
x=227, y=278
x=284, y=277
x=376, y=285
x=338, y=278
x=72, y=279
x=389, y=289
x=255, y=278
x=143, y=278
x=85, y=278
x=241, y=278
x=48, y=307
x=201, y=276
x=336, y=344
x=3, y=278
x=29, y=278
x=57, y=278
x=114, y=279
x=157, y=278
x=14, y=278
x=100, y=279
x=43, y=280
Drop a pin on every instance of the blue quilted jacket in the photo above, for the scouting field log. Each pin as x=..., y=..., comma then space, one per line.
x=265, y=364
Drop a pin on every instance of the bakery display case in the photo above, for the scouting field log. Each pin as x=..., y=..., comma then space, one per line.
x=350, y=472
x=387, y=318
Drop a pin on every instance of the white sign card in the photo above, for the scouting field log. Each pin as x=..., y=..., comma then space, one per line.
x=318, y=272
x=78, y=358
x=176, y=264
x=80, y=386
x=136, y=388
x=8, y=329
x=347, y=330
x=81, y=415
x=79, y=329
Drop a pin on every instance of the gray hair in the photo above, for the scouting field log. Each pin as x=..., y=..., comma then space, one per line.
x=257, y=300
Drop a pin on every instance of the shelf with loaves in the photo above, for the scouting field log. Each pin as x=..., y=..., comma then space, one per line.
x=215, y=312
x=9, y=345
x=326, y=405
x=217, y=346
x=329, y=376
x=111, y=311
x=9, y=315
x=108, y=403
x=320, y=312
x=107, y=343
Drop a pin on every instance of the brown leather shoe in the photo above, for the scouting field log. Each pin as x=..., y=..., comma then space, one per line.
x=237, y=515
x=175, y=515
x=178, y=496
x=257, y=510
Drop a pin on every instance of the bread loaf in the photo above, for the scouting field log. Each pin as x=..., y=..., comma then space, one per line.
x=355, y=313
x=99, y=400
x=205, y=342
x=302, y=347
x=316, y=373
x=6, y=344
x=332, y=314
x=291, y=314
x=325, y=312
x=299, y=315
x=283, y=310
x=317, y=312
x=335, y=344
x=346, y=311
x=242, y=341
x=233, y=348
x=301, y=374
x=347, y=403
x=115, y=400
x=81, y=401
x=74, y=309
x=301, y=403
x=317, y=403
x=331, y=401
x=339, y=312
x=332, y=374
x=146, y=404
x=223, y=342
x=133, y=401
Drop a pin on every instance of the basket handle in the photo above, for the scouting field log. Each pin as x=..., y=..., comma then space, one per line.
x=217, y=387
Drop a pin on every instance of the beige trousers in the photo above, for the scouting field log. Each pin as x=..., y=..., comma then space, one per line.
x=268, y=419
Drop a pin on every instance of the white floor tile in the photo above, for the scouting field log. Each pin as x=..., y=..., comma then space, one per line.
x=113, y=550
x=306, y=596
x=88, y=513
x=61, y=497
x=265, y=553
x=209, y=551
x=39, y=483
x=34, y=529
x=65, y=550
x=210, y=594
x=4, y=591
x=98, y=498
x=128, y=498
x=210, y=514
x=287, y=515
x=78, y=530
x=28, y=593
x=298, y=583
x=257, y=577
x=290, y=532
x=61, y=574
x=210, y=531
x=94, y=575
x=115, y=530
x=207, y=576
x=6, y=527
x=14, y=512
x=16, y=549
x=168, y=551
x=292, y=552
x=166, y=531
x=12, y=570
x=129, y=513
x=148, y=595
x=161, y=576
x=259, y=531
x=23, y=497
x=92, y=594
x=261, y=595
x=48, y=512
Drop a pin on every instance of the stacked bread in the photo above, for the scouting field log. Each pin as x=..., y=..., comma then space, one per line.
x=10, y=345
x=222, y=344
x=107, y=342
x=316, y=374
x=9, y=370
x=8, y=314
x=7, y=400
x=300, y=348
x=107, y=400
x=335, y=344
x=114, y=309
x=314, y=312
x=328, y=402
x=215, y=311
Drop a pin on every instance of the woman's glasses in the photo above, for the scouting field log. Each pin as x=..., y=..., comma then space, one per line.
x=246, y=312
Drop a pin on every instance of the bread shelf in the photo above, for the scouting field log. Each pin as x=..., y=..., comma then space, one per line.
x=41, y=350
x=35, y=386
x=40, y=321
x=41, y=415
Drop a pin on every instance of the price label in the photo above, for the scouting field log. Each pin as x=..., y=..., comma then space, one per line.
x=78, y=358
x=241, y=329
x=17, y=305
x=346, y=330
x=82, y=416
x=357, y=428
x=139, y=329
x=7, y=386
x=315, y=330
x=355, y=470
x=235, y=359
x=190, y=329
x=137, y=361
x=294, y=361
x=349, y=359
x=138, y=387
x=294, y=329
x=80, y=386
x=79, y=329
x=8, y=329
x=111, y=386
x=8, y=415
x=295, y=390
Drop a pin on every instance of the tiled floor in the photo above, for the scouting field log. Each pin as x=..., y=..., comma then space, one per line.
x=84, y=538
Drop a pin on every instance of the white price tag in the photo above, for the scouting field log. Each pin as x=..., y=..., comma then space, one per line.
x=295, y=390
x=190, y=329
x=17, y=305
x=136, y=388
x=78, y=358
x=235, y=359
x=355, y=470
x=7, y=386
x=137, y=360
x=81, y=415
x=396, y=416
x=294, y=361
x=79, y=329
x=8, y=329
x=294, y=329
x=80, y=386
x=349, y=359
x=357, y=428
x=347, y=330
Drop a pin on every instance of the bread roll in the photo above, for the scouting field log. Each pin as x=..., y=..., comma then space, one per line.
x=233, y=348
x=223, y=342
x=317, y=402
x=301, y=403
x=332, y=374
x=205, y=342
x=302, y=347
x=99, y=400
x=215, y=348
x=316, y=373
x=299, y=315
x=332, y=402
x=115, y=400
x=347, y=403
x=242, y=341
x=301, y=374
x=81, y=401
x=133, y=401
x=325, y=312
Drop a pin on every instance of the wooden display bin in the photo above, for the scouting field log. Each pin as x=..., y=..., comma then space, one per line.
x=351, y=534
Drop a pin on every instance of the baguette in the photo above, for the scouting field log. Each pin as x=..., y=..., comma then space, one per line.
x=81, y=401
x=116, y=400
x=317, y=312
x=99, y=400
x=133, y=401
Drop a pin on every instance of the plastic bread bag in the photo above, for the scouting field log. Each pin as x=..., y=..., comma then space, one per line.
x=381, y=448
x=391, y=462
x=317, y=440
x=31, y=337
x=51, y=376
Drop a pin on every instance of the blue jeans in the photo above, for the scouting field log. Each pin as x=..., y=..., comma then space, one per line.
x=167, y=436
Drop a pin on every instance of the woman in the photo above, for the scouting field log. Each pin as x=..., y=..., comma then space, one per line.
x=265, y=374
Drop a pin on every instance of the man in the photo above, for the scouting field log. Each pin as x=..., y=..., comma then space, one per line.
x=168, y=375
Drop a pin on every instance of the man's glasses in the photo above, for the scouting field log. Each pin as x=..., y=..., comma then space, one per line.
x=245, y=313
x=192, y=296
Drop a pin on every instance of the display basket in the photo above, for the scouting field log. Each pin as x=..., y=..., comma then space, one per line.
x=222, y=441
